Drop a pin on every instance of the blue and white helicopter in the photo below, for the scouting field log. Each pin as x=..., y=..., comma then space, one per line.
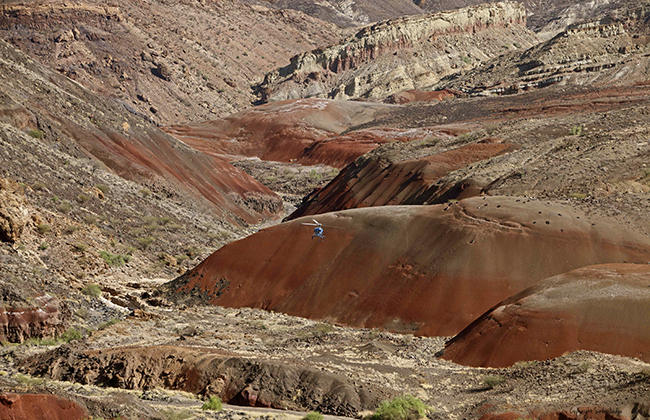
x=318, y=230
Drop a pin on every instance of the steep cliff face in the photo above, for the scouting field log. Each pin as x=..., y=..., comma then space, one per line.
x=401, y=54
x=591, y=54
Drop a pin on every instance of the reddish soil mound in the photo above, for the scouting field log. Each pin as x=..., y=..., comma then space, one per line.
x=415, y=95
x=344, y=149
x=206, y=372
x=604, y=308
x=41, y=407
x=279, y=131
x=427, y=269
x=374, y=182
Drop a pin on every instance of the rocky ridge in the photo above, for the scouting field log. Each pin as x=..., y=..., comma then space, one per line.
x=401, y=54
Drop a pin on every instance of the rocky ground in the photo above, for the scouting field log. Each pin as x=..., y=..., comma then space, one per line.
x=385, y=364
x=93, y=234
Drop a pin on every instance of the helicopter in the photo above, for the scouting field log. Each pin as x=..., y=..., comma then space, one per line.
x=318, y=230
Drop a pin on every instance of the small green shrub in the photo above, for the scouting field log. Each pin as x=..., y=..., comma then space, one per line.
x=82, y=313
x=144, y=192
x=65, y=207
x=102, y=187
x=144, y=243
x=71, y=229
x=92, y=289
x=401, y=408
x=490, y=381
x=214, y=404
x=43, y=228
x=108, y=323
x=114, y=260
x=80, y=247
x=315, y=176
x=55, y=198
x=576, y=130
x=516, y=44
x=43, y=246
x=37, y=134
x=71, y=335
x=313, y=415
x=466, y=59
x=39, y=186
x=82, y=198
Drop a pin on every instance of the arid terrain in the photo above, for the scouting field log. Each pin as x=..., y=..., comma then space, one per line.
x=480, y=172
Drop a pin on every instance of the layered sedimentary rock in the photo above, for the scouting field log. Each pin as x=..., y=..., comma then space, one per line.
x=379, y=179
x=401, y=54
x=423, y=269
x=593, y=54
x=603, y=308
x=234, y=379
x=44, y=320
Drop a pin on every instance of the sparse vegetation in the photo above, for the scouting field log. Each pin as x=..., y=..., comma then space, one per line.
x=108, y=323
x=102, y=187
x=400, y=408
x=90, y=219
x=43, y=246
x=37, y=134
x=576, y=130
x=92, y=289
x=39, y=186
x=144, y=243
x=578, y=196
x=80, y=247
x=82, y=313
x=516, y=45
x=315, y=176
x=213, y=404
x=65, y=207
x=466, y=59
x=490, y=381
x=42, y=228
x=71, y=335
x=82, y=198
x=71, y=229
x=176, y=414
x=114, y=260
x=313, y=415
x=145, y=192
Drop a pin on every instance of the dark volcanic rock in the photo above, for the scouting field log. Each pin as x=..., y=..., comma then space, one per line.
x=425, y=269
x=235, y=380
x=604, y=308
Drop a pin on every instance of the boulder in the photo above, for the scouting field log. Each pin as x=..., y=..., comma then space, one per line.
x=13, y=210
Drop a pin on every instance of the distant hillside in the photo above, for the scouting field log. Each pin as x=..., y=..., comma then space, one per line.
x=402, y=54
x=171, y=61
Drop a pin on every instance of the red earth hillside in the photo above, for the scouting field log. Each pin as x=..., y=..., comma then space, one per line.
x=425, y=269
x=377, y=180
x=604, y=308
x=279, y=131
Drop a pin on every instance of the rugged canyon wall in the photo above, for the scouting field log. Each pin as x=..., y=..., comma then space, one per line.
x=401, y=54
x=44, y=107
